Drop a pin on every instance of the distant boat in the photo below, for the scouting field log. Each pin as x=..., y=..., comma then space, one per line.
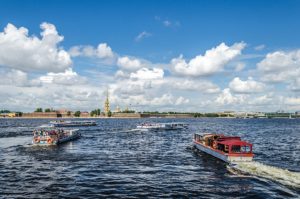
x=52, y=136
x=71, y=123
x=226, y=148
x=163, y=126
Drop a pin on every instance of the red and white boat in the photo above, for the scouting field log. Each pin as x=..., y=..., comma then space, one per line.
x=227, y=148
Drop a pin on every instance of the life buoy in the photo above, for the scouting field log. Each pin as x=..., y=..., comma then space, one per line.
x=49, y=140
x=37, y=140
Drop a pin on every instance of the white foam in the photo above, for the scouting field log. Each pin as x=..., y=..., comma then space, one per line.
x=280, y=175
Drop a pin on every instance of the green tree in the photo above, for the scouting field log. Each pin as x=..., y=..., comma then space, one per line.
x=69, y=113
x=47, y=110
x=109, y=114
x=95, y=112
x=38, y=110
x=4, y=111
x=92, y=113
x=77, y=114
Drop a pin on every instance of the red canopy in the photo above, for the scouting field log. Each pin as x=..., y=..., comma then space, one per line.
x=235, y=142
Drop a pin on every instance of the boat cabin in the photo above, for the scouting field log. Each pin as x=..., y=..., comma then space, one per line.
x=225, y=144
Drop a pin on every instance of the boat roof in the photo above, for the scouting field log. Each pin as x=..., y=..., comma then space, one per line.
x=235, y=142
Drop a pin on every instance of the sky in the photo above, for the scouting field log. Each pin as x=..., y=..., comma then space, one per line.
x=188, y=56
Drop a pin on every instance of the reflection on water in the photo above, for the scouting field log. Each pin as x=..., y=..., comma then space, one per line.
x=111, y=160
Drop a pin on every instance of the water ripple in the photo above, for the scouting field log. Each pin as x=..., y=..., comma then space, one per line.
x=111, y=160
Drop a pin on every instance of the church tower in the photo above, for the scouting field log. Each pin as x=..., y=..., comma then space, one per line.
x=106, y=105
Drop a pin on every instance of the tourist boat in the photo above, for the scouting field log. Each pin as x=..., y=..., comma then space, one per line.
x=52, y=136
x=227, y=148
x=163, y=126
x=72, y=123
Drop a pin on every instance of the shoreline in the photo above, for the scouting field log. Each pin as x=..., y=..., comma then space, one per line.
x=66, y=118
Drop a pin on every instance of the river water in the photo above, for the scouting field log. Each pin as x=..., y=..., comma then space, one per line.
x=111, y=160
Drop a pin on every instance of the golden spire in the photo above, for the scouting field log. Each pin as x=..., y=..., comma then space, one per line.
x=106, y=104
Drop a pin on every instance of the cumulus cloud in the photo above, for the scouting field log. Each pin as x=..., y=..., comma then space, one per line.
x=148, y=74
x=17, y=78
x=165, y=99
x=211, y=62
x=261, y=100
x=281, y=67
x=280, y=61
x=193, y=85
x=102, y=51
x=292, y=101
x=142, y=36
x=128, y=63
x=227, y=98
x=22, y=52
x=248, y=86
x=295, y=84
x=181, y=100
x=69, y=77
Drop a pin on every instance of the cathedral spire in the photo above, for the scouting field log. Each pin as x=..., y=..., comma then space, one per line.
x=106, y=104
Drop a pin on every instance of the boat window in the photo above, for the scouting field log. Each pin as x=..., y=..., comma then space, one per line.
x=245, y=149
x=236, y=148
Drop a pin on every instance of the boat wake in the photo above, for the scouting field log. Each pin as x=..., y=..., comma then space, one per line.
x=257, y=169
x=132, y=130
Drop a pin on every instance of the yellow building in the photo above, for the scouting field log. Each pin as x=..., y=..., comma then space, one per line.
x=11, y=114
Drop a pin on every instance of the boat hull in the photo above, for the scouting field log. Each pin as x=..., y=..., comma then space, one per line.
x=73, y=125
x=229, y=158
x=60, y=141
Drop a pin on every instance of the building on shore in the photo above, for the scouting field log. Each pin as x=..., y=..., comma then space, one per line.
x=9, y=115
x=40, y=115
x=85, y=114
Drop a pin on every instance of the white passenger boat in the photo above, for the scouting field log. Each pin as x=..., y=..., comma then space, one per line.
x=227, y=148
x=72, y=123
x=163, y=126
x=52, y=136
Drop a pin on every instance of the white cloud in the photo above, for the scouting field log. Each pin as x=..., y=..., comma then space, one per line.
x=17, y=78
x=166, y=99
x=259, y=47
x=239, y=66
x=227, y=98
x=292, y=101
x=128, y=63
x=261, y=100
x=248, y=86
x=69, y=77
x=148, y=74
x=211, y=62
x=121, y=75
x=142, y=36
x=281, y=67
x=280, y=61
x=103, y=51
x=167, y=23
x=30, y=53
x=181, y=100
x=193, y=85
x=295, y=84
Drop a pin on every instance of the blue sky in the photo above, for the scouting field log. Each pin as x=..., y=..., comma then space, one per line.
x=154, y=33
